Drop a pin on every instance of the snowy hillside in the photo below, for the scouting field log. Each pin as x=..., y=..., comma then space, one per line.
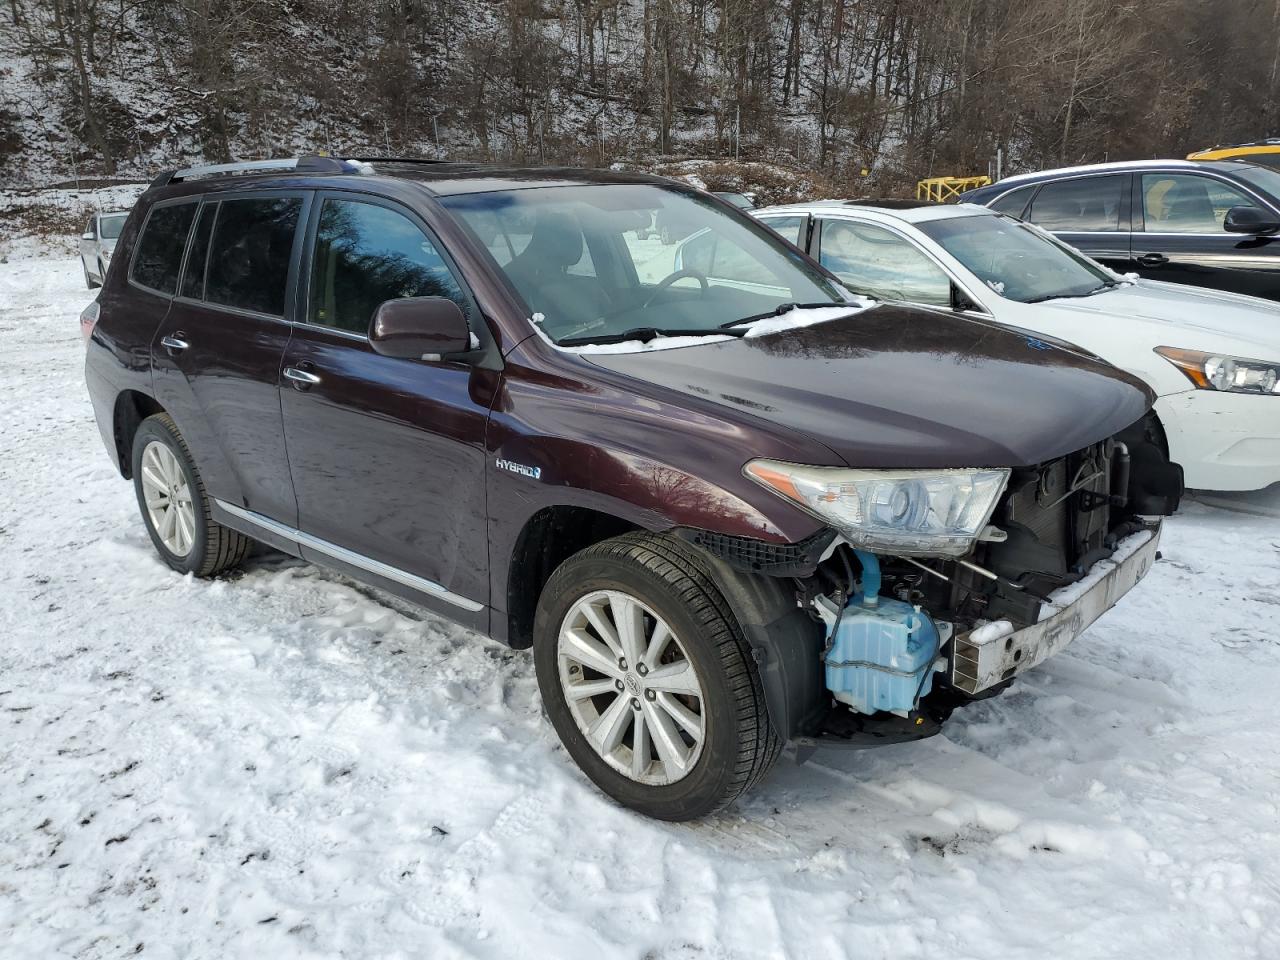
x=286, y=764
x=873, y=93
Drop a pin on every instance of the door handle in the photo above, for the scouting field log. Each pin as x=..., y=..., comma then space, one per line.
x=300, y=379
x=174, y=343
x=1152, y=259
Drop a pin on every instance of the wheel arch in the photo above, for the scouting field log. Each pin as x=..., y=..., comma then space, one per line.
x=131, y=408
x=550, y=536
x=785, y=641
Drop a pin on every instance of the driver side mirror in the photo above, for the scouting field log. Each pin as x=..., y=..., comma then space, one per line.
x=412, y=328
x=87, y=235
x=1251, y=220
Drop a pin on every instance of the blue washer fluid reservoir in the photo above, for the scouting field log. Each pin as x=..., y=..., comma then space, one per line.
x=883, y=650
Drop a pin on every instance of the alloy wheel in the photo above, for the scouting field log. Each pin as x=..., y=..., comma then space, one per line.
x=168, y=498
x=631, y=688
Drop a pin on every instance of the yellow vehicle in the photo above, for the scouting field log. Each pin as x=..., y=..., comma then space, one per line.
x=1263, y=152
x=942, y=189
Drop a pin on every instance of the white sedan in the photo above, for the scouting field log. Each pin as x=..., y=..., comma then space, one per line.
x=1212, y=358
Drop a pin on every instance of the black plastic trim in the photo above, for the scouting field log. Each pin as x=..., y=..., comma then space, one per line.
x=748, y=555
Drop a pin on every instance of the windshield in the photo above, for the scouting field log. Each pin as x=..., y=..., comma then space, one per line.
x=1016, y=261
x=603, y=261
x=112, y=225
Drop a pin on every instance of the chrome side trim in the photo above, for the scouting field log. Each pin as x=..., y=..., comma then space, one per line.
x=258, y=520
x=350, y=557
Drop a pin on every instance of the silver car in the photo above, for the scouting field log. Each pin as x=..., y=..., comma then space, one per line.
x=97, y=244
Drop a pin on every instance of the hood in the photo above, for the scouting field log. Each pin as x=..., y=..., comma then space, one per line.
x=903, y=387
x=1195, y=318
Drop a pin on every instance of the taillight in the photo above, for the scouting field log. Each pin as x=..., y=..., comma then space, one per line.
x=88, y=320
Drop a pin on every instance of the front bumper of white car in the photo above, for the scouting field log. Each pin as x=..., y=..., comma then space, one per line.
x=996, y=652
x=1224, y=441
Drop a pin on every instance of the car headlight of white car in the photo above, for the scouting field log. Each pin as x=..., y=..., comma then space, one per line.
x=903, y=512
x=105, y=253
x=1216, y=371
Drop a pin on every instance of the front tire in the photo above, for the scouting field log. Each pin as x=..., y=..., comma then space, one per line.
x=648, y=681
x=174, y=505
x=88, y=279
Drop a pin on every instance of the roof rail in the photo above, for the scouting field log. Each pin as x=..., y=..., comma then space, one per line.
x=309, y=164
x=400, y=160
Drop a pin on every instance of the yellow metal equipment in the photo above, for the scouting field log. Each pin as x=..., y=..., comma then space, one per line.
x=1263, y=151
x=942, y=189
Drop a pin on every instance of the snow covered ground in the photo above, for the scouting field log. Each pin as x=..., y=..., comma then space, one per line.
x=286, y=764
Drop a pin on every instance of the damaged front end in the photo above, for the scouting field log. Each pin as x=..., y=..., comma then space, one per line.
x=994, y=580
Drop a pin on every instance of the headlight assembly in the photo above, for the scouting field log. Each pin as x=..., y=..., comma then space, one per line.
x=1215, y=371
x=904, y=512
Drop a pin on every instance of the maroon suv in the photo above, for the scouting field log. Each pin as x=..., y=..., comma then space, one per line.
x=727, y=501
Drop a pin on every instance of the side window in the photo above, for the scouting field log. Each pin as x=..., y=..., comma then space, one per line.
x=504, y=238
x=1085, y=204
x=1187, y=203
x=879, y=262
x=159, y=254
x=1014, y=202
x=789, y=228
x=367, y=254
x=193, y=276
x=697, y=253
x=717, y=259
x=249, y=253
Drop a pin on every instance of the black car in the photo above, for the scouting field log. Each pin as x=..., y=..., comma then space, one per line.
x=1211, y=224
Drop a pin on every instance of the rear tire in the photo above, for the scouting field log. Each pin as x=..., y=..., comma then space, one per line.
x=728, y=741
x=174, y=505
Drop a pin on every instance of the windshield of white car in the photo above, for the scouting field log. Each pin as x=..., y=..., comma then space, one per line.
x=1016, y=261
x=110, y=227
x=602, y=260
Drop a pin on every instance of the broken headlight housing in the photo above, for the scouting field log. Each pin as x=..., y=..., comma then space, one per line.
x=1214, y=371
x=903, y=512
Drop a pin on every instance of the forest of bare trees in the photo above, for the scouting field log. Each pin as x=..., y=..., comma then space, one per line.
x=884, y=91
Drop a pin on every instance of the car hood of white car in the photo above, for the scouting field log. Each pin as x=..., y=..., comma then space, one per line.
x=1197, y=318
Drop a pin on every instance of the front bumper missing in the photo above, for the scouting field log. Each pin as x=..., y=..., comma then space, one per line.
x=986, y=657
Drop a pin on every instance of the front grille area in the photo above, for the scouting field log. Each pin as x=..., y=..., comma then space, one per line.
x=1058, y=519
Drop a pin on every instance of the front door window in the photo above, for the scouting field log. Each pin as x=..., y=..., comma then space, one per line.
x=1084, y=204
x=1187, y=203
x=366, y=254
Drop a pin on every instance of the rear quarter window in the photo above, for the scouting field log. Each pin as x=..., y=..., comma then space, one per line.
x=1014, y=203
x=159, y=253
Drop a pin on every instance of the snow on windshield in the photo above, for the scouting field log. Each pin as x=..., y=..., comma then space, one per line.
x=791, y=320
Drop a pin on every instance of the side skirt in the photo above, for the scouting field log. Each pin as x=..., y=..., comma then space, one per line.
x=299, y=543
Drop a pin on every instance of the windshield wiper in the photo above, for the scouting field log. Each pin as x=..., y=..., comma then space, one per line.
x=1104, y=285
x=645, y=334
x=780, y=309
